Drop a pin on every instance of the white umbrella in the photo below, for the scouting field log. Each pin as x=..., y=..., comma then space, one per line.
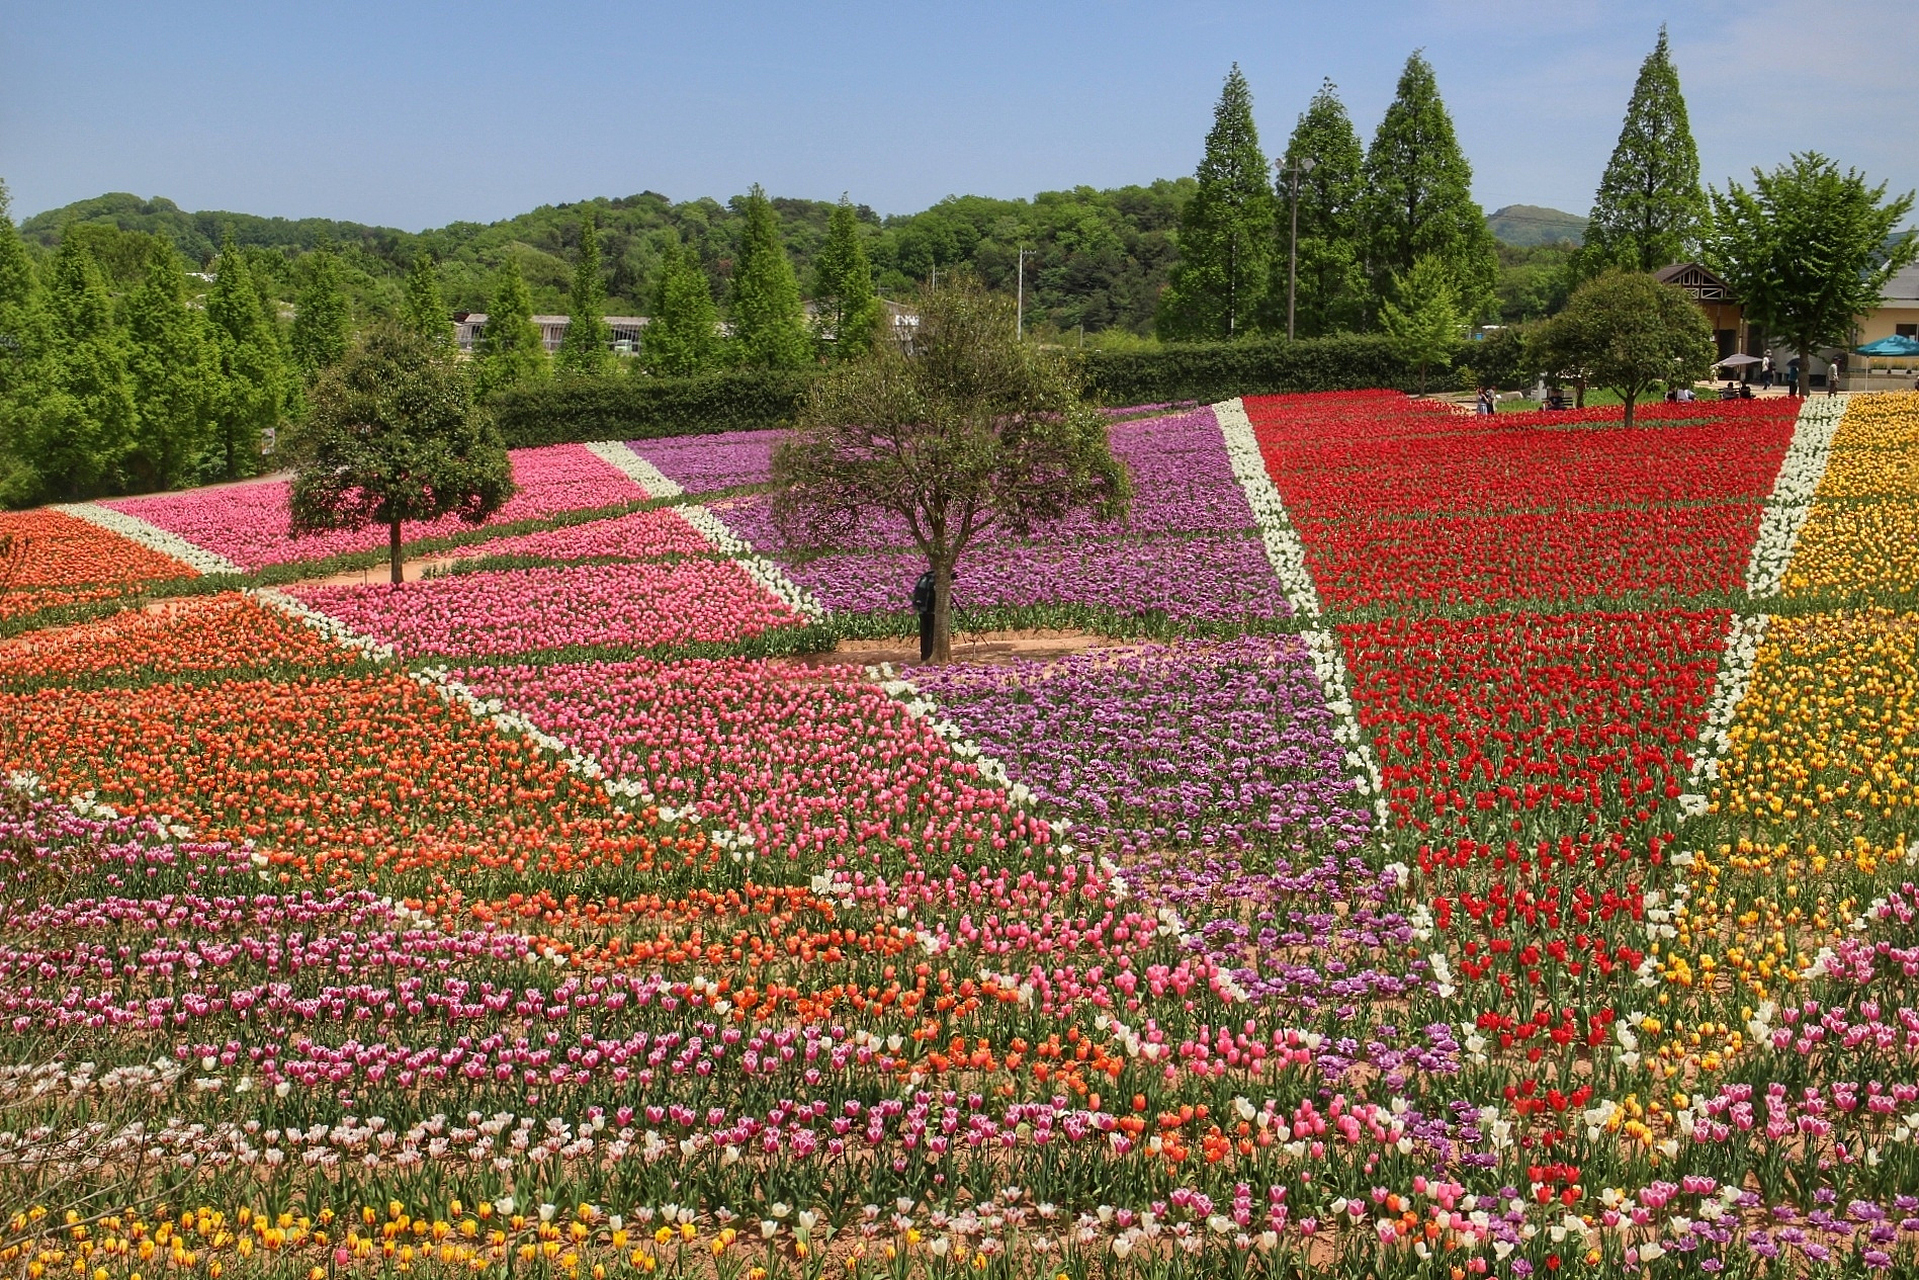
x=1735, y=361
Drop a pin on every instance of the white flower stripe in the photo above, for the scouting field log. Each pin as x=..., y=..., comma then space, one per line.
x=1792, y=493
x=1361, y=765
x=621, y=457
x=330, y=627
x=1729, y=690
x=1283, y=547
x=134, y=529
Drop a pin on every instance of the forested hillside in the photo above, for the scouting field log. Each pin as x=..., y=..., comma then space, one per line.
x=1096, y=258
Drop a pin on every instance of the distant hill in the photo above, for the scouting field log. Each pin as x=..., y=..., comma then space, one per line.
x=1524, y=225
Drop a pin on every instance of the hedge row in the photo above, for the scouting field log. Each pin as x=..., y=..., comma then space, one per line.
x=621, y=407
x=1210, y=371
x=565, y=410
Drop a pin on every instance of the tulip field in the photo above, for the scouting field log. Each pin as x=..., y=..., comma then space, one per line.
x=1464, y=847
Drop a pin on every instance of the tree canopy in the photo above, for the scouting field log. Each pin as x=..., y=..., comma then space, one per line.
x=970, y=431
x=511, y=348
x=393, y=436
x=1331, y=283
x=682, y=334
x=1417, y=197
x=1424, y=322
x=322, y=321
x=1217, y=284
x=769, y=325
x=586, y=349
x=1808, y=249
x=1626, y=331
x=1650, y=209
x=848, y=314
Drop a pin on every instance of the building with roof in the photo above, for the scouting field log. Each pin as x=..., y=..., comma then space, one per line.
x=1898, y=311
x=467, y=326
x=1725, y=314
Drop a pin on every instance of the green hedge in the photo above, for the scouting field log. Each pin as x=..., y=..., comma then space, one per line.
x=621, y=407
x=1209, y=371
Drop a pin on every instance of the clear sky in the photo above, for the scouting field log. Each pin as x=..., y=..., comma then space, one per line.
x=414, y=113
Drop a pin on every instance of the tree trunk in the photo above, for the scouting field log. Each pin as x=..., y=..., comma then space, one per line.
x=1632, y=398
x=1805, y=370
x=1579, y=393
x=942, y=611
x=393, y=551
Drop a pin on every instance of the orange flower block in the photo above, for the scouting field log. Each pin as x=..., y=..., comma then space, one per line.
x=58, y=550
x=204, y=633
x=356, y=775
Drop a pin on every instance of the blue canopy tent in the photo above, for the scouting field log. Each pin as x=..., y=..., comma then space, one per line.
x=1897, y=344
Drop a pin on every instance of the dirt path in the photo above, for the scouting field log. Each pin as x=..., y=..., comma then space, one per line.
x=986, y=646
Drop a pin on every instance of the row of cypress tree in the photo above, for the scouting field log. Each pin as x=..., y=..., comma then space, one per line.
x=1393, y=227
x=766, y=323
x=159, y=387
x=103, y=394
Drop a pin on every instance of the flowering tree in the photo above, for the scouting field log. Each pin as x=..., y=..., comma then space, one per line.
x=969, y=431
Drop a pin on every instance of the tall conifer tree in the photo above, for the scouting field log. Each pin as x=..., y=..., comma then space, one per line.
x=84, y=427
x=1418, y=197
x=769, y=325
x=423, y=307
x=848, y=309
x=1650, y=209
x=175, y=366
x=682, y=335
x=22, y=372
x=322, y=322
x=511, y=349
x=1226, y=230
x=251, y=385
x=1331, y=283
x=587, y=346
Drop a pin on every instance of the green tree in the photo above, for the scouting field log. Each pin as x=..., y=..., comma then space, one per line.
x=250, y=389
x=769, y=325
x=1627, y=331
x=511, y=350
x=1226, y=230
x=1417, y=197
x=22, y=361
x=83, y=426
x=175, y=369
x=682, y=335
x=1331, y=283
x=1808, y=249
x=322, y=321
x=848, y=309
x=973, y=431
x=587, y=346
x=1424, y=324
x=1650, y=209
x=394, y=437
x=422, y=306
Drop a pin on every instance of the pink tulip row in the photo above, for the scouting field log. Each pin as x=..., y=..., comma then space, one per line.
x=639, y=536
x=515, y=611
x=248, y=523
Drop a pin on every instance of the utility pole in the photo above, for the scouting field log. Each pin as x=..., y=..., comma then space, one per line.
x=1019, y=304
x=1303, y=165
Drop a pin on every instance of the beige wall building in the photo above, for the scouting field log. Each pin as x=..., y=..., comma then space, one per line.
x=626, y=331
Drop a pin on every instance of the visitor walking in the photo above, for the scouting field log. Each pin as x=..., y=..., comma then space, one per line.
x=1792, y=377
x=1765, y=371
x=924, y=593
x=1833, y=371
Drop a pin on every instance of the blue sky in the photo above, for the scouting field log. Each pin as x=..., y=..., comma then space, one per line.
x=413, y=113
